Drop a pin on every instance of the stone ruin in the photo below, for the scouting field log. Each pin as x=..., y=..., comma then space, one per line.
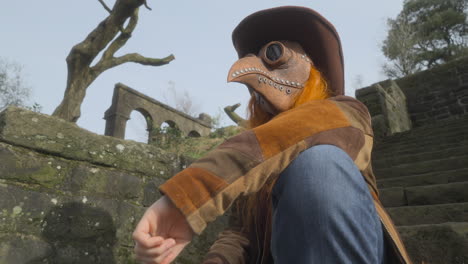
x=126, y=99
x=70, y=196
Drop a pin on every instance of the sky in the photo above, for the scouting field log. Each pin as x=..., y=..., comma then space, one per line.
x=39, y=35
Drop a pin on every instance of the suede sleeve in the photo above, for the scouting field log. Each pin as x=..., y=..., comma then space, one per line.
x=241, y=165
x=231, y=247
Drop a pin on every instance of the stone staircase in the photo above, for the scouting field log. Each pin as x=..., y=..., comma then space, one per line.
x=422, y=175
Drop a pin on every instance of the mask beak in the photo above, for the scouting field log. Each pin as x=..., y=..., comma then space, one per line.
x=251, y=71
x=277, y=82
x=246, y=70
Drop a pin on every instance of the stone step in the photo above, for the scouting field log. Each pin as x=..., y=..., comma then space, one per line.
x=456, y=192
x=445, y=243
x=442, y=164
x=438, y=128
x=435, y=128
x=429, y=214
x=441, y=177
x=414, y=150
x=423, y=134
x=442, y=140
x=381, y=161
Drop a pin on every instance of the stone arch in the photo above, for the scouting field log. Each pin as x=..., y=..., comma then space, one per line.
x=170, y=123
x=138, y=126
x=193, y=133
x=126, y=99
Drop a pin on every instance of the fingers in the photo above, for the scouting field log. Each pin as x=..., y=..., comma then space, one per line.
x=165, y=253
x=157, y=254
x=146, y=240
x=174, y=252
x=147, y=224
x=154, y=251
x=163, y=259
x=169, y=258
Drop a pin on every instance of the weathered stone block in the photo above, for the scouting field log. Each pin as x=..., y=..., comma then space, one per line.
x=438, y=194
x=438, y=87
x=23, y=166
x=23, y=249
x=58, y=137
x=104, y=182
x=70, y=177
x=379, y=126
x=445, y=102
x=151, y=193
x=391, y=115
x=393, y=197
x=419, y=108
x=464, y=100
x=437, y=244
x=429, y=214
x=455, y=110
x=69, y=224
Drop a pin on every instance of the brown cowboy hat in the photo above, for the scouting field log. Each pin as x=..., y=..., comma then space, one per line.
x=317, y=36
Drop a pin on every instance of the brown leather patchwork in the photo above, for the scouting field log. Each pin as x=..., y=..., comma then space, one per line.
x=226, y=163
x=247, y=143
x=191, y=188
x=364, y=157
x=231, y=247
x=369, y=176
x=355, y=111
x=349, y=139
x=290, y=127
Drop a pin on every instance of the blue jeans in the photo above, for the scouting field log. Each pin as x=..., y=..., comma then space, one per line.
x=323, y=212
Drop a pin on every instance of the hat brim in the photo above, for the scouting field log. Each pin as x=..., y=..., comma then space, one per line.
x=317, y=36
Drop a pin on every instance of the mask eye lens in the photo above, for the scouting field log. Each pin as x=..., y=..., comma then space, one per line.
x=274, y=52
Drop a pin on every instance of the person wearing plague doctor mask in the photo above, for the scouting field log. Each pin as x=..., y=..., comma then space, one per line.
x=300, y=177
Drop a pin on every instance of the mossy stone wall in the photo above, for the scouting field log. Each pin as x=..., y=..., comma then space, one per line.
x=70, y=196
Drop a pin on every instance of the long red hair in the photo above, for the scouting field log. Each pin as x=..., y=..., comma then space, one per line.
x=255, y=210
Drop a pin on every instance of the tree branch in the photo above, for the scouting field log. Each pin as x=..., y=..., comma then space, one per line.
x=137, y=58
x=105, y=6
x=234, y=116
x=132, y=57
x=146, y=5
x=122, y=39
x=108, y=37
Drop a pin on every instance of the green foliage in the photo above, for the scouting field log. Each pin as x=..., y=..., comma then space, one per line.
x=13, y=90
x=172, y=140
x=426, y=33
x=226, y=132
x=217, y=120
x=166, y=137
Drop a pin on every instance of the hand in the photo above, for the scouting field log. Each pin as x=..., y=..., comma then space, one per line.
x=161, y=234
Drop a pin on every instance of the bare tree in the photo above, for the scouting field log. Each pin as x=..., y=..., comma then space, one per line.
x=181, y=101
x=113, y=33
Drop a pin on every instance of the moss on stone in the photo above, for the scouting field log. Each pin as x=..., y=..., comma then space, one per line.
x=47, y=176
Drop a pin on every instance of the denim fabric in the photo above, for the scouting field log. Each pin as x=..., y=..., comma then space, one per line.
x=323, y=212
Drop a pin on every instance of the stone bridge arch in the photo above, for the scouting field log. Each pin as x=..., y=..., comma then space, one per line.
x=126, y=99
